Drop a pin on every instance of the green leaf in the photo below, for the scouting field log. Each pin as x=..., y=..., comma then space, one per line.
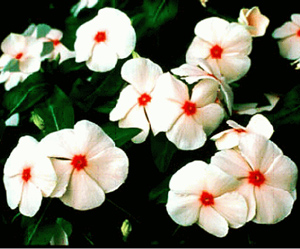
x=57, y=111
x=12, y=66
x=42, y=30
x=159, y=194
x=26, y=94
x=47, y=48
x=120, y=135
x=162, y=151
x=43, y=234
x=66, y=225
x=106, y=107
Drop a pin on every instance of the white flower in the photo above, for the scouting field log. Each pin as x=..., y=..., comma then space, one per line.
x=12, y=79
x=194, y=73
x=230, y=138
x=268, y=178
x=105, y=39
x=288, y=36
x=225, y=46
x=202, y=194
x=186, y=120
x=134, y=105
x=25, y=49
x=87, y=164
x=28, y=176
x=255, y=22
x=13, y=120
x=55, y=36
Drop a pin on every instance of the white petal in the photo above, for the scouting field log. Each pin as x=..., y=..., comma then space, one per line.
x=114, y=16
x=289, y=47
x=273, y=204
x=247, y=191
x=109, y=169
x=260, y=125
x=233, y=207
x=198, y=49
x=91, y=139
x=212, y=222
x=103, y=58
x=205, y=92
x=141, y=73
x=31, y=200
x=258, y=151
x=13, y=187
x=13, y=44
x=30, y=64
x=186, y=133
x=228, y=140
x=231, y=162
x=287, y=29
x=190, y=179
x=283, y=174
x=83, y=193
x=183, y=209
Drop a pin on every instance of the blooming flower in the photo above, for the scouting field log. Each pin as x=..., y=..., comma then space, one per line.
x=135, y=102
x=202, y=194
x=25, y=50
x=28, y=176
x=12, y=79
x=194, y=73
x=255, y=22
x=268, y=178
x=288, y=36
x=87, y=164
x=105, y=39
x=186, y=120
x=55, y=36
x=225, y=46
x=230, y=138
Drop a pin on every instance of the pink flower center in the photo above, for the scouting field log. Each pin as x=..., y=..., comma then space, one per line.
x=239, y=130
x=189, y=108
x=100, y=37
x=207, y=199
x=216, y=52
x=19, y=56
x=26, y=174
x=256, y=178
x=144, y=99
x=55, y=42
x=79, y=162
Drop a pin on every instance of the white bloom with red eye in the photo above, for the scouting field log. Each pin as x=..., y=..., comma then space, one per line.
x=225, y=46
x=230, y=138
x=87, y=164
x=186, y=120
x=103, y=40
x=134, y=106
x=202, y=194
x=25, y=49
x=28, y=176
x=288, y=36
x=55, y=36
x=268, y=178
x=255, y=22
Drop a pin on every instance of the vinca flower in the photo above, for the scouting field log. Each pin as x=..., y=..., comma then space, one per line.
x=103, y=40
x=25, y=50
x=12, y=79
x=186, y=120
x=288, y=36
x=225, y=46
x=268, y=178
x=204, y=194
x=87, y=164
x=230, y=138
x=255, y=22
x=134, y=106
x=28, y=176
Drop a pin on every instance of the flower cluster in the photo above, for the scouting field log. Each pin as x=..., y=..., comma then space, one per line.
x=76, y=165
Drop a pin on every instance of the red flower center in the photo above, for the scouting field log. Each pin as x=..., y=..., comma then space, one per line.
x=55, y=42
x=239, y=130
x=19, y=56
x=26, y=174
x=100, y=37
x=79, y=162
x=256, y=178
x=207, y=199
x=298, y=33
x=189, y=108
x=216, y=52
x=144, y=99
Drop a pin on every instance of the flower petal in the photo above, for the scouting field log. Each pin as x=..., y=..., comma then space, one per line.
x=199, y=48
x=13, y=187
x=289, y=47
x=30, y=64
x=83, y=193
x=183, y=209
x=212, y=222
x=286, y=30
x=273, y=204
x=205, y=92
x=13, y=44
x=233, y=207
x=109, y=169
x=260, y=125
